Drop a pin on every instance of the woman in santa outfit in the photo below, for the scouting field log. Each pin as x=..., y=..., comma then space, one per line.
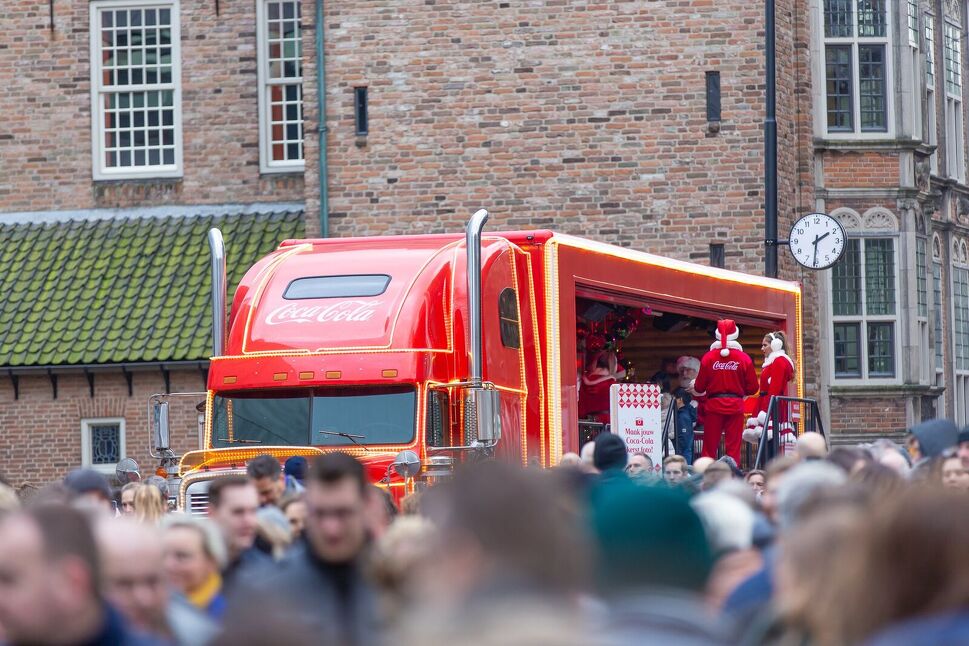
x=778, y=371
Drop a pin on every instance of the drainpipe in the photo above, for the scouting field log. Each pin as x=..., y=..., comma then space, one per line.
x=321, y=109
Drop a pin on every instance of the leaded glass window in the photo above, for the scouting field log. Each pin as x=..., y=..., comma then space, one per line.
x=913, y=23
x=960, y=307
x=921, y=282
x=839, y=87
x=105, y=443
x=838, y=18
x=929, y=50
x=846, y=281
x=952, y=49
x=937, y=309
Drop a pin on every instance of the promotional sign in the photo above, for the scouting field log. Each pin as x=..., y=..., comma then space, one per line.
x=636, y=418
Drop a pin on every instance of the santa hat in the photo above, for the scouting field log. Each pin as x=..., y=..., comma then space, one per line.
x=727, y=331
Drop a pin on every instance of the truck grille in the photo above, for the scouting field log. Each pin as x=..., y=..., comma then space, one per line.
x=198, y=503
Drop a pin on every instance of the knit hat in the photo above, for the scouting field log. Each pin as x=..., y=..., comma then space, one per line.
x=964, y=435
x=296, y=467
x=935, y=436
x=648, y=536
x=610, y=452
x=82, y=481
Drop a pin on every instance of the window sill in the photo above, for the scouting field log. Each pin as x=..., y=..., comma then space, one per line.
x=137, y=179
x=882, y=390
x=883, y=142
x=282, y=170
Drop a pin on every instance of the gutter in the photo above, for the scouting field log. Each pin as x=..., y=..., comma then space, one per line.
x=321, y=126
x=104, y=367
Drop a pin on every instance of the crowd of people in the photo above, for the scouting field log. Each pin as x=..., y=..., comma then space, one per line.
x=859, y=545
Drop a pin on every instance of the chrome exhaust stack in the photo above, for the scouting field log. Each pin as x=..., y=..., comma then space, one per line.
x=217, y=254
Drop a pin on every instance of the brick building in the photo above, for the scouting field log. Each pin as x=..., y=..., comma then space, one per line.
x=632, y=122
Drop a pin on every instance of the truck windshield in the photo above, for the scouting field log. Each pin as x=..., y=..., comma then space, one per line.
x=384, y=415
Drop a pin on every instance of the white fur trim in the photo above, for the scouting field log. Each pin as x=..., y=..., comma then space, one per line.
x=774, y=355
x=762, y=417
x=751, y=436
x=730, y=344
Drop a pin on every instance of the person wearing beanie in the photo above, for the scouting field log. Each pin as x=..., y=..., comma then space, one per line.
x=654, y=561
x=610, y=453
x=89, y=490
x=726, y=376
x=929, y=439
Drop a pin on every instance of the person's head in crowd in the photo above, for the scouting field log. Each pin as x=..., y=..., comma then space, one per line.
x=757, y=480
x=89, y=490
x=150, y=507
x=50, y=583
x=267, y=475
x=849, y=458
x=907, y=561
x=952, y=472
x=962, y=449
x=381, y=510
x=336, y=508
x=801, y=483
x=233, y=503
x=127, y=506
x=397, y=558
x=570, y=459
x=700, y=464
x=774, y=474
x=610, y=453
x=715, y=474
x=475, y=551
x=294, y=507
x=805, y=572
x=878, y=480
x=674, y=469
x=929, y=439
x=666, y=548
x=274, y=534
x=194, y=554
x=159, y=483
x=296, y=468
x=687, y=368
x=588, y=457
x=889, y=454
x=133, y=572
x=811, y=446
x=768, y=340
x=728, y=521
x=639, y=465
x=735, y=470
x=410, y=505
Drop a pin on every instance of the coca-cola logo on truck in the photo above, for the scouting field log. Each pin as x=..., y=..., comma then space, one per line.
x=726, y=365
x=354, y=311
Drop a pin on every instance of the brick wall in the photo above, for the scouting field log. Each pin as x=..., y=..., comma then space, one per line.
x=864, y=414
x=41, y=439
x=861, y=169
x=45, y=136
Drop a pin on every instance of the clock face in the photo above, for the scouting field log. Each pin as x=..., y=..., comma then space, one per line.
x=817, y=240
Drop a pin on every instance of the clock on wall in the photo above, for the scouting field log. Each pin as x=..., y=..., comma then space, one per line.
x=817, y=240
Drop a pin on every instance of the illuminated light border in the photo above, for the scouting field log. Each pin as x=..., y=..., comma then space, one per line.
x=266, y=276
x=523, y=398
x=554, y=347
x=543, y=458
x=677, y=265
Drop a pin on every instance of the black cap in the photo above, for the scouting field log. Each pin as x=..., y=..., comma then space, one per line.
x=610, y=452
x=82, y=481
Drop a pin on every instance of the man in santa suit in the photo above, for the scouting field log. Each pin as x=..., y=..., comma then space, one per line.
x=726, y=376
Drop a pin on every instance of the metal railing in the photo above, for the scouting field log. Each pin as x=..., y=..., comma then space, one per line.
x=789, y=417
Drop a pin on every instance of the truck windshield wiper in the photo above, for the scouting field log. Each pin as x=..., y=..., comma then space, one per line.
x=228, y=441
x=349, y=436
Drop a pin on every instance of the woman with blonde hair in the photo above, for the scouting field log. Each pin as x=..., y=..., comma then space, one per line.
x=150, y=506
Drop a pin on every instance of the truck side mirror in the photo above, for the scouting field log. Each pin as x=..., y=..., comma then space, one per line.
x=407, y=464
x=482, y=411
x=162, y=433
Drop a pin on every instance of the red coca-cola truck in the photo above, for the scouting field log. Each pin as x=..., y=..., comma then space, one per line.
x=413, y=353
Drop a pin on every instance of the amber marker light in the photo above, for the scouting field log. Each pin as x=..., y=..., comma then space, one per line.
x=228, y=380
x=306, y=375
x=280, y=376
x=389, y=373
x=333, y=374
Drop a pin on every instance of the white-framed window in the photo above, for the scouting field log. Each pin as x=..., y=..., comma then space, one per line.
x=960, y=329
x=932, y=137
x=280, y=85
x=102, y=443
x=954, y=137
x=857, y=67
x=914, y=67
x=136, y=95
x=926, y=363
x=864, y=299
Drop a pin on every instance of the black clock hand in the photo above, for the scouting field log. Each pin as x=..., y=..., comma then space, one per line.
x=816, y=241
x=820, y=238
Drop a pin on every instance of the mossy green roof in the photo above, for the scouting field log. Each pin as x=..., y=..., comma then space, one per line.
x=121, y=290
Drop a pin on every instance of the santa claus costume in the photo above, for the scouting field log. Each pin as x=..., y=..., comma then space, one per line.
x=726, y=376
x=778, y=371
x=604, y=371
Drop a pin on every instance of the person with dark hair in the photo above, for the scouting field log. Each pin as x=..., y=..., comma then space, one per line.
x=610, y=454
x=267, y=474
x=320, y=583
x=50, y=582
x=381, y=511
x=233, y=503
x=89, y=490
